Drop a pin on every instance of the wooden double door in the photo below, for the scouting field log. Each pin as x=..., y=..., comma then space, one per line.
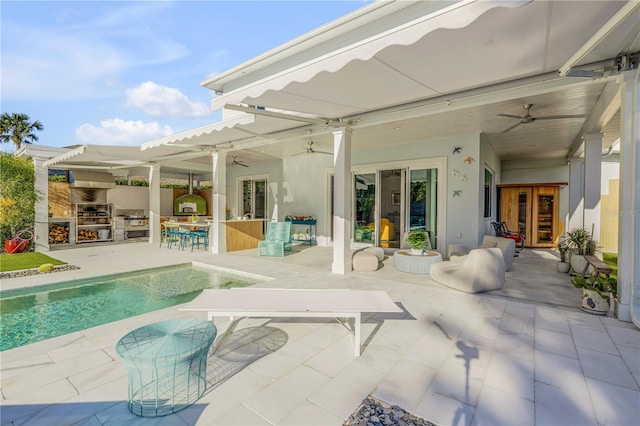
x=533, y=211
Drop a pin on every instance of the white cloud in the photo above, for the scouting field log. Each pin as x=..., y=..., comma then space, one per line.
x=165, y=102
x=47, y=60
x=116, y=131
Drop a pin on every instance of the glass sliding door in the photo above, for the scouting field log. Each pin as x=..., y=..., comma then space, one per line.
x=391, y=207
x=423, y=202
x=254, y=198
x=364, y=207
x=389, y=201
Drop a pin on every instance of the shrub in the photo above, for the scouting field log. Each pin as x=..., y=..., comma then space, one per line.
x=18, y=195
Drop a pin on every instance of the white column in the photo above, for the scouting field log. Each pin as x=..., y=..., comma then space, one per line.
x=342, y=202
x=592, y=185
x=628, y=306
x=576, y=194
x=154, y=204
x=218, y=232
x=42, y=205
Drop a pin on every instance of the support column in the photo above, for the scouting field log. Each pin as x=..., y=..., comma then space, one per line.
x=342, y=202
x=576, y=194
x=592, y=184
x=154, y=204
x=218, y=232
x=628, y=306
x=41, y=228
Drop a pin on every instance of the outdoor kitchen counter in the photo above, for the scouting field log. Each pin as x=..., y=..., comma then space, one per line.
x=244, y=234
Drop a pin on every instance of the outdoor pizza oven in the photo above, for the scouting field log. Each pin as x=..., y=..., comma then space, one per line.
x=190, y=204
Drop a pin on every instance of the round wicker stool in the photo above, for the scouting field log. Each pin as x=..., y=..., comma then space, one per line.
x=166, y=365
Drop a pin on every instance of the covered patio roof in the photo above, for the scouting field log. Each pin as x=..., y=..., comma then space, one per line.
x=406, y=71
x=130, y=160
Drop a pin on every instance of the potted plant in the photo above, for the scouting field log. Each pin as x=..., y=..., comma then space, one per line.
x=596, y=292
x=579, y=243
x=563, y=248
x=417, y=239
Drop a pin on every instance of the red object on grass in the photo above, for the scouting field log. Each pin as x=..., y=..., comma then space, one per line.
x=15, y=245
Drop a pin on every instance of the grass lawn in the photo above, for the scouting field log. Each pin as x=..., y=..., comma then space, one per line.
x=17, y=261
x=611, y=259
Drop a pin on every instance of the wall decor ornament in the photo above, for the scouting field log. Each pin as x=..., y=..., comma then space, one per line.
x=457, y=149
x=469, y=160
x=457, y=192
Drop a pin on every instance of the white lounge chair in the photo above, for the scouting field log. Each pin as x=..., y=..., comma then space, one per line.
x=341, y=304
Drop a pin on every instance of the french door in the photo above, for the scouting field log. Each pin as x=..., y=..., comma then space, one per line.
x=388, y=202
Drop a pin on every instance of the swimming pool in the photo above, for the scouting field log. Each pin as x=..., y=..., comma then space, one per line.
x=39, y=313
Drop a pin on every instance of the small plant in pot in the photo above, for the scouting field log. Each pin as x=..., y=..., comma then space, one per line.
x=596, y=292
x=579, y=243
x=417, y=239
x=563, y=248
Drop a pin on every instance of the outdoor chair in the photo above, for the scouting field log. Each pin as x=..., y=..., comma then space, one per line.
x=277, y=240
x=506, y=245
x=481, y=270
x=196, y=236
x=503, y=232
x=172, y=235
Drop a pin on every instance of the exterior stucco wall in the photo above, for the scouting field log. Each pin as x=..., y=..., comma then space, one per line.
x=489, y=160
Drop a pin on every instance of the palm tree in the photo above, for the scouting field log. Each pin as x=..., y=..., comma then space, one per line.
x=17, y=128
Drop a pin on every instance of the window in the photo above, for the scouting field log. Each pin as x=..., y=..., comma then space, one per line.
x=488, y=185
x=253, y=198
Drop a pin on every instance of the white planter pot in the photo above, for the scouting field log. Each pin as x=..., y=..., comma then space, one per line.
x=577, y=264
x=593, y=303
x=563, y=267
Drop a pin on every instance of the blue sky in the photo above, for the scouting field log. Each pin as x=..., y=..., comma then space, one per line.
x=123, y=73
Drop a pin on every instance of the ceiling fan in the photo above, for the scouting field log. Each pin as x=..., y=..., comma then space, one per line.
x=528, y=118
x=310, y=150
x=235, y=162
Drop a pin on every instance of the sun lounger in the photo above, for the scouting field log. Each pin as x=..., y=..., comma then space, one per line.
x=341, y=304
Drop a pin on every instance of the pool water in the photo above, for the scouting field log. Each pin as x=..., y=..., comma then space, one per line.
x=32, y=315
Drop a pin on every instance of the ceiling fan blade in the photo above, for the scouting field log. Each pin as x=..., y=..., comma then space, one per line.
x=511, y=128
x=242, y=164
x=510, y=116
x=557, y=117
x=322, y=152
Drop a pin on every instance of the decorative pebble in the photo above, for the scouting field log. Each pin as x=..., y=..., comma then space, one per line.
x=374, y=412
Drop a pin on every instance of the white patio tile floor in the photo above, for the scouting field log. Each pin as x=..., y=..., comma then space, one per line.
x=450, y=358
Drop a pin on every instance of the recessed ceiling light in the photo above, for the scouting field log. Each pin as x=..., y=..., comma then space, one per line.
x=396, y=128
x=531, y=145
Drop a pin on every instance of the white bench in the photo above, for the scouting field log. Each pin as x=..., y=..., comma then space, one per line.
x=341, y=304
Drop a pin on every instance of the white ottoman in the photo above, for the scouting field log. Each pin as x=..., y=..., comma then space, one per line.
x=364, y=261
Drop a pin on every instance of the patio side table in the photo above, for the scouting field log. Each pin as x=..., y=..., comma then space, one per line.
x=166, y=364
x=415, y=264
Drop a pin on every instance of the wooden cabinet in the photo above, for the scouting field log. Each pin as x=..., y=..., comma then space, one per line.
x=532, y=210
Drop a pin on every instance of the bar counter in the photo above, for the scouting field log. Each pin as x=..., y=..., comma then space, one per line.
x=244, y=234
